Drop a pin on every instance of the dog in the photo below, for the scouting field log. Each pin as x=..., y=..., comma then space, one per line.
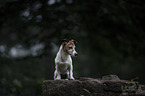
x=63, y=61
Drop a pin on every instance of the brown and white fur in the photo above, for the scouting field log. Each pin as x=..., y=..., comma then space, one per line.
x=63, y=60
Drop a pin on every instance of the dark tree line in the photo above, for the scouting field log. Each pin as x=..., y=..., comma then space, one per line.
x=110, y=36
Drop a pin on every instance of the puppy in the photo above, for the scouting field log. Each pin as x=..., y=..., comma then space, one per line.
x=63, y=60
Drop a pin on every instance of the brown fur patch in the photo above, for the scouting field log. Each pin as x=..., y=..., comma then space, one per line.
x=66, y=45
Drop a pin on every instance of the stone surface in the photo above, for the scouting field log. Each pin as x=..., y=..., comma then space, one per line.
x=109, y=85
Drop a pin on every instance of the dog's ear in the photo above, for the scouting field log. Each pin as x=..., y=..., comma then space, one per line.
x=64, y=40
x=74, y=41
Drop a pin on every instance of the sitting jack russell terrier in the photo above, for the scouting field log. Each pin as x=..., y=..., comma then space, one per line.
x=63, y=60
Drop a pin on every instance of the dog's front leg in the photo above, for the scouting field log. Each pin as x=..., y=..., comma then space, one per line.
x=57, y=75
x=71, y=73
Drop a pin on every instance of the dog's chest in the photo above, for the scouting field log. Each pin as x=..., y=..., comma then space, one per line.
x=66, y=59
x=63, y=67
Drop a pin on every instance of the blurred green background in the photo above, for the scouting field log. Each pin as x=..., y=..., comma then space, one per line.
x=110, y=36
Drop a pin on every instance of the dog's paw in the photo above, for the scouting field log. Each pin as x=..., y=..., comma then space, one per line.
x=72, y=78
x=57, y=79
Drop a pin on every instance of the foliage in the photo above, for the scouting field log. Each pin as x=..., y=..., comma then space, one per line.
x=110, y=35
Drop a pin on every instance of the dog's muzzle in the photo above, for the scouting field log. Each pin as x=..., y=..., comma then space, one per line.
x=76, y=54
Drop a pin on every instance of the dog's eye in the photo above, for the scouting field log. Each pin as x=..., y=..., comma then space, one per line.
x=70, y=47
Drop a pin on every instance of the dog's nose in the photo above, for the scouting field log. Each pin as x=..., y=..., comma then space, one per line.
x=76, y=54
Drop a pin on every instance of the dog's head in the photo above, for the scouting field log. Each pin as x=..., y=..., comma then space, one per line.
x=69, y=47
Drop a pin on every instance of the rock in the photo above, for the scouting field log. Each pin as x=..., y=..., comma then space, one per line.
x=109, y=85
x=110, y=77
